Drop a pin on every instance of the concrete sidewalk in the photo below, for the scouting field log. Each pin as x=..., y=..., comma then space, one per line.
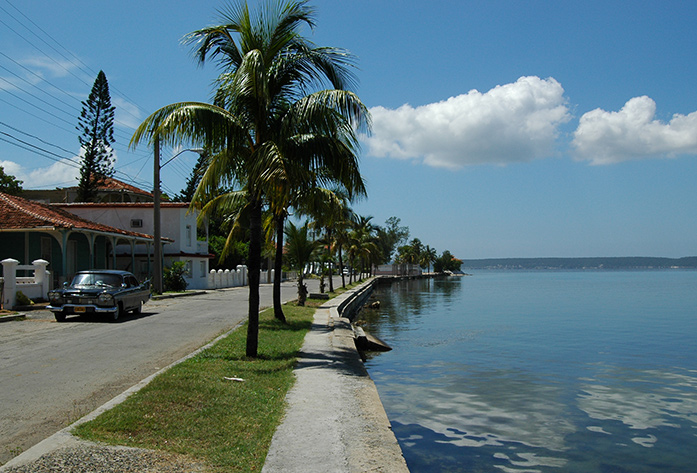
x=335, y=421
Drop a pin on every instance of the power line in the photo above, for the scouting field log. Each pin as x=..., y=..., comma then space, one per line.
x=42, y=52
x=84, y=68
x=38, y=150
x=33, y=85
x=35, y=137
x=34, y=96
x=121, y=135
x=35, y=116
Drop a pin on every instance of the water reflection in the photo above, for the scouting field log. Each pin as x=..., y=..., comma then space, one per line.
x=641, y=399
x=521, y=420
x=524, y=374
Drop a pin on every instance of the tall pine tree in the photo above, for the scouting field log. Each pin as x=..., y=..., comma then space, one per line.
x=96, y=126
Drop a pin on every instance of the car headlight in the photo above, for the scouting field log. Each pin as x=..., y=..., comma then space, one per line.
x=105, y=299
x=55, y=296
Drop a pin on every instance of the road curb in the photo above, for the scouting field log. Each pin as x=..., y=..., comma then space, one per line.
x=64, y=437
x=10, y=318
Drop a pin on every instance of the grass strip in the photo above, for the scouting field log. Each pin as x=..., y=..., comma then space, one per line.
x=192, y=410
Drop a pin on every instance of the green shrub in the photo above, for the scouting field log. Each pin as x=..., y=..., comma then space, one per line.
x=173, y=277
x=22, y=299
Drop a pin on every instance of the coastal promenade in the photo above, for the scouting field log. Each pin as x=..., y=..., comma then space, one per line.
x=335, y=421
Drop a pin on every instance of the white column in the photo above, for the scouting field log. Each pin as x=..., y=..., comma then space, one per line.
x=41, y=276
x=243, y=270
x=9, y=272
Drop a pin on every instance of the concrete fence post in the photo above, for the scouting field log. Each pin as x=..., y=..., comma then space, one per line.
x=41, y=276
x=243, y=270
x=9, y=272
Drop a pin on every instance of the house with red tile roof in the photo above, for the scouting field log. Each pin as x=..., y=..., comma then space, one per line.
x=178, y=223
x=109, y=190
x=31, y=230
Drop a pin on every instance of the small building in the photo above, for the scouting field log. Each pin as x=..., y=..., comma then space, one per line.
x=32, y=230
x=395, y=269
x=109, y=190
x=178, y=225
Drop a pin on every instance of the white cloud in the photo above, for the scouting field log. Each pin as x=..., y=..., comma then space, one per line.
x=58, y=174
x=510, y=123
x=55, y=67
x=11, y=168
x=632, y=133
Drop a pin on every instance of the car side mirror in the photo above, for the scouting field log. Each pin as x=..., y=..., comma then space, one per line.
x=65, y=284
x=124, y=285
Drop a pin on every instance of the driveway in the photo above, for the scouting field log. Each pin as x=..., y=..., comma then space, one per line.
x=51, y=374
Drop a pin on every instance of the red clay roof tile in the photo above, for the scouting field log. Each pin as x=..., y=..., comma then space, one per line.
x=17, y=213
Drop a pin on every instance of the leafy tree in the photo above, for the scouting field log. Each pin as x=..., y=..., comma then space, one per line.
x=96, y=126
x=235, y=255
x=264, y=117
x=391, y=236
x=187, y=194
x=9, y=184
x=447, y=262
x=300, y=250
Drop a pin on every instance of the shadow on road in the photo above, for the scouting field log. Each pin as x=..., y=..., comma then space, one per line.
x=105, y=318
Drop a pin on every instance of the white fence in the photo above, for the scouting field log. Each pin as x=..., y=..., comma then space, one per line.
x=35, y=287
x=220, y=279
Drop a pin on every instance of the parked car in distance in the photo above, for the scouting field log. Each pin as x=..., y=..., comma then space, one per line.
x=99, y=291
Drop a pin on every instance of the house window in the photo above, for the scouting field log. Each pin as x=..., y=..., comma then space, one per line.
x=188, y=235
x=203, y=269
x=136, y=223
x=189, y=268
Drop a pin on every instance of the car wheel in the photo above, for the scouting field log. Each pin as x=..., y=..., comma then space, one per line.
x=60, y=316
x=139, y=308
x=119, y=312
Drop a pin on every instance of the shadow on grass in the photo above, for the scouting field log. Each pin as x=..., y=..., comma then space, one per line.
x=289, y=326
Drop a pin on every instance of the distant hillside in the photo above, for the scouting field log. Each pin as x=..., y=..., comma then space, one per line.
x=689, y=262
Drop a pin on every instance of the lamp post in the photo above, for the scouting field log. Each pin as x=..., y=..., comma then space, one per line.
x=157, y=232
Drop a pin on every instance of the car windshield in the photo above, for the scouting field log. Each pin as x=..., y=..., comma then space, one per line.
x=97, y=279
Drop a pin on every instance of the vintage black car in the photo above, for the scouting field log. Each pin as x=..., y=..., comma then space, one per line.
x=102, y=291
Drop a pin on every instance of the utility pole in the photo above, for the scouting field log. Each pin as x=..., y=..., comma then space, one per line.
x=157, y=263
x=157, y=232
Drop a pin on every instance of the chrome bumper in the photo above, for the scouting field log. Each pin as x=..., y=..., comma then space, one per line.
x=88, y=308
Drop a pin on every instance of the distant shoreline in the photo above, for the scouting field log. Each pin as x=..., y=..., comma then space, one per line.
x=622, y=262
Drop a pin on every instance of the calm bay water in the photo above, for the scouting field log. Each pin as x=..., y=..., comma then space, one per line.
x=543, y=371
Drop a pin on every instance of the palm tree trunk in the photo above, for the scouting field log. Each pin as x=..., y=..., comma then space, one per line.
x=329, y=250
x=254, y=268
x=278, y=271
x=341, y=268
x=302, y=292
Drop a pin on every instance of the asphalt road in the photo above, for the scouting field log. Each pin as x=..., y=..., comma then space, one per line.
x=51, y=374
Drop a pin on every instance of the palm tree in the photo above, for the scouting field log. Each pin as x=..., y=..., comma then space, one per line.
x=329, y=210
x=265, y=117
x=342, y=231
x=300, y=250
x=362, y=246
x=428, y=257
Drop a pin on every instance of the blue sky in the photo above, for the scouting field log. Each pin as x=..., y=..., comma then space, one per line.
x=501, y=128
